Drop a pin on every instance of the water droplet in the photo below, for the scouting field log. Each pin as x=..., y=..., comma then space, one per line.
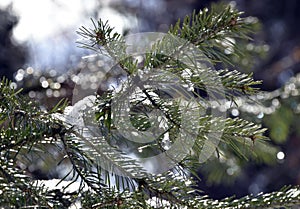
x=13, y=85
x=280, y=155
x=260, y=115
x=45, y=84
x=235, y=112
x=29, y=70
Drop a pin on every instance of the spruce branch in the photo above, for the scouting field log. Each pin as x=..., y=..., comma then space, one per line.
x=25, y=128
x=218, y=35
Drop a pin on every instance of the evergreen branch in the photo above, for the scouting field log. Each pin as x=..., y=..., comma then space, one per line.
x=235, y=80
x=77, y=164
x=213, y=31
x=195, y=28
x=101, y=37
x=17, y=189
x=217, y=135
x=285, y=198
x=175, y=191
x=102, y=152
x=24, y=126
x=20, y=116
x=262, y=102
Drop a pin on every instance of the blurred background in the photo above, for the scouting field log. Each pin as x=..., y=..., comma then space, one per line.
x=38, y=51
